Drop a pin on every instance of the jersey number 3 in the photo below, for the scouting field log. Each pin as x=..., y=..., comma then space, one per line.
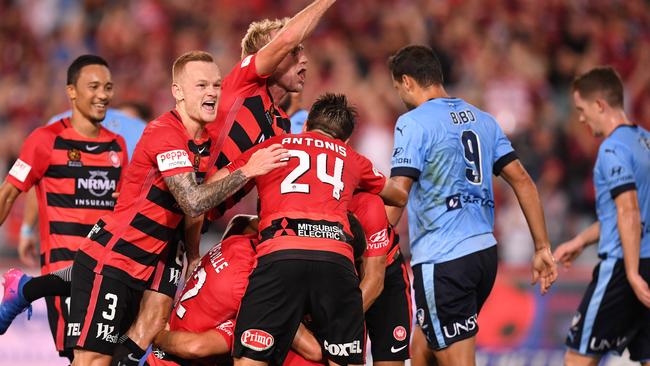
x=289, y=184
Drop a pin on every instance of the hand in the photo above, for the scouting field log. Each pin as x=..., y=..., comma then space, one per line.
x=640, y=288
x=192, y=263
x=115, y=195
x=544, y=269
x=27, y=250
x=265, y=160
x=568, y=251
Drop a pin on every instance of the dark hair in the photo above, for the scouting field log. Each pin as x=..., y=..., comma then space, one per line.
x=603, y=80
x=418, y=62
x=84, y=60
x=332, y=114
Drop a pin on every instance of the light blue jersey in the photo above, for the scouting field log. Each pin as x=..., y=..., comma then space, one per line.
x=623, y=164
x=117, y=122
x=298, y=120
x=451, y=149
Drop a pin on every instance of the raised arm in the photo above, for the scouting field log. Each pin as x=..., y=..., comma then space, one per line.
x=195, y=199
x=544, y=269
x=290, y=36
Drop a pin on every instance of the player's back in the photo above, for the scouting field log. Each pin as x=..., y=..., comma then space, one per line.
x=623, y=163
x=452, y=201
x=304, y=205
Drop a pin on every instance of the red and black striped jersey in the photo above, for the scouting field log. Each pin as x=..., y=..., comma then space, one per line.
x=245, y=105
x=75, y=177
x=126, y=244
x=381, y=238
x=304, y=205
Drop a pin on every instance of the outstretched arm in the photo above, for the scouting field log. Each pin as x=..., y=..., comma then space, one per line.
x=290, y=36
x=544, y=269
x=195, y=199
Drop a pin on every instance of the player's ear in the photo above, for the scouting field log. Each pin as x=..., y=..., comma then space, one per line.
x=304, y=127
x=407, y=82
x=600, y=103
x=177, y=92
x=71, y=91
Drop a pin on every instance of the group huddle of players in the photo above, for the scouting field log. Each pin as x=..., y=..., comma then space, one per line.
x=317, y=267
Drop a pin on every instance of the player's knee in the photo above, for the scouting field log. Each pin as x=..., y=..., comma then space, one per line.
x=572, y=358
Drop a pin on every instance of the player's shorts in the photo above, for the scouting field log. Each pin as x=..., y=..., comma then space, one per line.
x=610, y=318
x=168, y=272
x=389, y=319
x=449, y=296
x=58, y=310
x=101, y=310
x=281, y=292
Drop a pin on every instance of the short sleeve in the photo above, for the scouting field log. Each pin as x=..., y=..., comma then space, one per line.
x=32, y=162
x=169, y=151
x=616, y=167
x=226, y=329
x=504, y=154
x=244, y=74
x=371, y=180
x=369, y=209
x=410, y=138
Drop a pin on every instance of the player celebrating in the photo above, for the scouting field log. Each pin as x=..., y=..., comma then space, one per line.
x=614, y=313
x=75, y=165
x=273, y=64
x=305, y=260
x=445, y=153
x=116, y=261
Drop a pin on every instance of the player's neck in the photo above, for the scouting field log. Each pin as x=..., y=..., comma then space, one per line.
x=616, y=119
x=193, y=128
x=84, y=126
x=277, y=93
x=431, y=92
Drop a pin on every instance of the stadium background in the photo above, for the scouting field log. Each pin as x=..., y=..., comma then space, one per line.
x=515, y=59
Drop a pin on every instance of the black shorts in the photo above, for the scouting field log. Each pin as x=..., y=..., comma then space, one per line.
x=58, y=310
x=389, y=319
x=610, y=318
x=281, y=292
x=449, y=296
x=169, y=269
x=101, y=310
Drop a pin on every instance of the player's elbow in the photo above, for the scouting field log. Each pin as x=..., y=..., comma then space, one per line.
x=197, y=349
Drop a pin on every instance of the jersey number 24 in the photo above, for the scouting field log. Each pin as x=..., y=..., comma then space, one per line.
x=289, y=184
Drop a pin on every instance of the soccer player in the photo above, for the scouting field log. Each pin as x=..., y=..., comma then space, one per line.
x=75, y=165
x=305, y=260
x=614, y=313
x=116, y=261
x=445, y=154
x=385, y=285
x=273, y=64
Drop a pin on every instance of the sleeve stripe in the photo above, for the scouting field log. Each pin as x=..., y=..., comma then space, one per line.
x=405, y=172
x=503, y=161
x=622, y=189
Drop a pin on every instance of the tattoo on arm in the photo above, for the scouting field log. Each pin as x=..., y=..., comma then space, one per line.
x=195, y=199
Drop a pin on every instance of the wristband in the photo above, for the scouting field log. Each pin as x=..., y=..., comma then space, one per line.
x=26, y=230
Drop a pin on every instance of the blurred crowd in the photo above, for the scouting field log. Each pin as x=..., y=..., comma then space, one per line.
x=513, y=58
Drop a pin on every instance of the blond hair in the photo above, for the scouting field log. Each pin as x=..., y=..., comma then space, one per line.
x=259, y=34
x=187, y=57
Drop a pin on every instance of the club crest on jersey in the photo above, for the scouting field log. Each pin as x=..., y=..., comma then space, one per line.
x=114, y=159
x=257, y=340
x=399, y=333
x=74, y=158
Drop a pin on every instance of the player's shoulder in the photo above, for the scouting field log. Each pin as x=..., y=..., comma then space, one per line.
x=618, y=141
x=167, y=123
x=50, y=131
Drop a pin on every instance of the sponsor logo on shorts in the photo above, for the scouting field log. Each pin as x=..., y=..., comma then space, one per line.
x=74, y=329
x=257, y=340
x=419, y=314
x=19, y=170
x=173, y=159
x=105, y=332
x=395, y=350
x=399, y=333
x=174, y=275
x=600, y=345
x=343, y=349
x=457, y=328
x=576, y=320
